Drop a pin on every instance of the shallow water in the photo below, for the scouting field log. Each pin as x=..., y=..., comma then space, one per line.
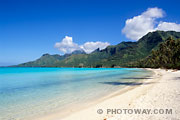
x=27, y=92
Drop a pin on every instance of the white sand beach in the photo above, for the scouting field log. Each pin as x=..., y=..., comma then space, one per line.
x=158, y=92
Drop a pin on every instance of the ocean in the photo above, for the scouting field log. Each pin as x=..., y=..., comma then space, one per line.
x=29, y=92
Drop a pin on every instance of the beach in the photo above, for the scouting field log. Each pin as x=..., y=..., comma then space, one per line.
x=50, y=93
x=90, y=94
x=89, y=60
x=158, y=92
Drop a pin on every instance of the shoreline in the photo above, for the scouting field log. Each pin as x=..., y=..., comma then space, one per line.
x=69, y=114
x=110, y=101
x=42, y=110
x=163, y=92
x=150, y=94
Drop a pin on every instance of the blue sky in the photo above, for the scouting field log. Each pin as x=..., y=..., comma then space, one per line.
x=30, y=28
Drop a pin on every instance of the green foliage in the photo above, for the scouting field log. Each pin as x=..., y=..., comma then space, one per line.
x=167, y=56
x=43, y=61
x=125, y=54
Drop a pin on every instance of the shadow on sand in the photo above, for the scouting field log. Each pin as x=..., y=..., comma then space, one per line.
x=130, y=83
x=137, y=77
x=126, y=83
x=176, y=78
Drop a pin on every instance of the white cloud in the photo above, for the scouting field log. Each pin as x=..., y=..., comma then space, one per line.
x=89, y=47
x=67, y=45
x=140, y=25
x=168, y=26
x=153, y=13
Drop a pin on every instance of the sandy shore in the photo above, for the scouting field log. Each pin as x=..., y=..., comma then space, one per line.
x=159, y=94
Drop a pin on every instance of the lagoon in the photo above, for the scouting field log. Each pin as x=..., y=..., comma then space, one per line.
x=29, y=92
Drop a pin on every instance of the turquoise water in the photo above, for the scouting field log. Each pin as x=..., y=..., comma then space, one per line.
x=29, y=92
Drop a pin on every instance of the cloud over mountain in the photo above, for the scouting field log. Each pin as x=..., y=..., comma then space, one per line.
x=140, y=25
x=168, y=26
x=67, y=45
x=88, y=47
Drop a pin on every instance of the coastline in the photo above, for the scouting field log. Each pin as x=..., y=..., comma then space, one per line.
x=129, y=97
x=150, y=94
x=73, y=108
x=52, y=104
x=163, y=93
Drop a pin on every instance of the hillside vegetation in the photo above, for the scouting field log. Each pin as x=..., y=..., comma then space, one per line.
x=167, y=56
x=125, y=54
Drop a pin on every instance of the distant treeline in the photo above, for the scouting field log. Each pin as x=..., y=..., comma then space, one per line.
x=157, y=49
x=167, y=56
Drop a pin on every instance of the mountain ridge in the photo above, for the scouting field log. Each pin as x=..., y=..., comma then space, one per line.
x=122, y=54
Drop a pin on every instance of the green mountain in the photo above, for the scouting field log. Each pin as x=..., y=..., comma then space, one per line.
x=166, y=56
x=44, y=61
x=47, y=60
x=125, y=54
